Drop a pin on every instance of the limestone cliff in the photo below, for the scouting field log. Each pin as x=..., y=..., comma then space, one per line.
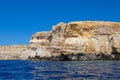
x=97, y=38
x=13, y=52
x=83, y=40
x=40, y=44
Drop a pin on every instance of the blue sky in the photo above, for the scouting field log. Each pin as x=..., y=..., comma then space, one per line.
x=19, y=19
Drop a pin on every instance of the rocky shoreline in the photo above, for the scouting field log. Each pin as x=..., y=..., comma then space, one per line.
x=83, y=40
x=77, y=57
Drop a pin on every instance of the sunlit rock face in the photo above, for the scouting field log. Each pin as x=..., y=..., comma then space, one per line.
x=84, y=40
x=13, y=52
x=77, y=38
x=87, y=37
x=58, y=38
x=41, y=38
x=40, y=44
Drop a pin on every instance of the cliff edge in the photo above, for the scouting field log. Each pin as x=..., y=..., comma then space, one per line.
x=84, y=40
x=81, y=40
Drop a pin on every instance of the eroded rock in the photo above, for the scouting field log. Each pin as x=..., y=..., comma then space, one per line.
x=84, y=40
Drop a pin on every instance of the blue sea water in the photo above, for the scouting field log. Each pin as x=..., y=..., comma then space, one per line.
x=59, y=70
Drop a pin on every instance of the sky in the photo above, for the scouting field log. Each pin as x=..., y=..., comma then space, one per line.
x=19, y=19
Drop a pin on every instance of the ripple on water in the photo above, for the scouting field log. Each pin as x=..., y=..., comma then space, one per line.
x=59, y=70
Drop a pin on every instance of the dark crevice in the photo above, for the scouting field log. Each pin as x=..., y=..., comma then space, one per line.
x=115, y=53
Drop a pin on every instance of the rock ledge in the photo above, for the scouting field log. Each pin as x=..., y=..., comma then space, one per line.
x=82, y=40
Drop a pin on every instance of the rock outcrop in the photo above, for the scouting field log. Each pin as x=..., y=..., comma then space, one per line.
x=13, y=52
x=84, y=40
x=40, y=45
x=87, y=40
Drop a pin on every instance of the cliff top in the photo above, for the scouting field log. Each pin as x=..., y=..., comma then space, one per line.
x=95, y=23
x=83, y=28
x=43, y=33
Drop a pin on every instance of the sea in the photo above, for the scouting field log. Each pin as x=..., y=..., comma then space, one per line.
x=59, y=70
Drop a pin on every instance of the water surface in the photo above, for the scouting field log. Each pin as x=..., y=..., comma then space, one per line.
x=59, y=70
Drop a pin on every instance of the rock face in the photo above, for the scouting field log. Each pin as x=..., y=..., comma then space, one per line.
x=40, y=44
x=13, y=52
x=85, y=40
